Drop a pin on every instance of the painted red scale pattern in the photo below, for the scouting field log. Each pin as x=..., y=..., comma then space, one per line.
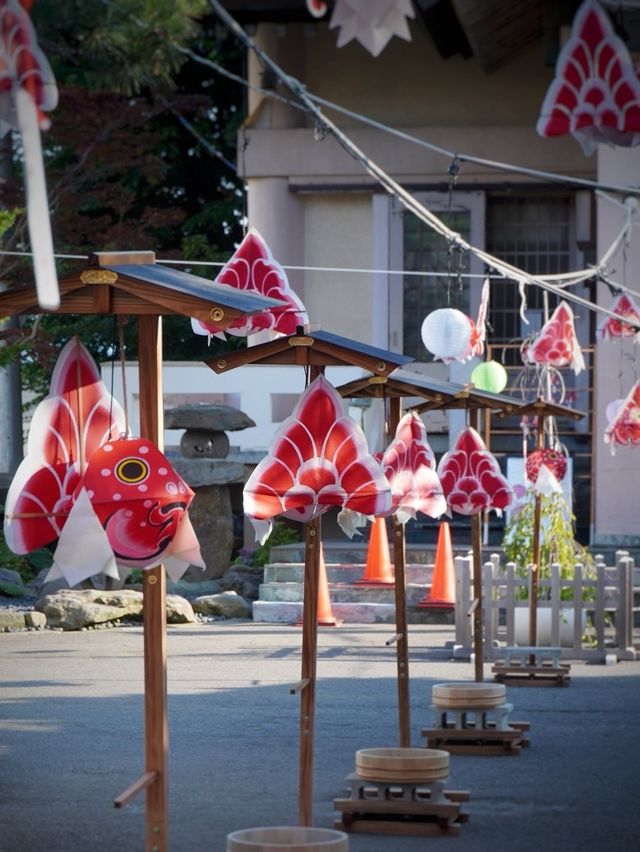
x=410, y=466
x=318, y=459
x=595, y=94
x=556, y=345
x=624, y=429
x=254, y=269
x=471, y=477
x=613, y=329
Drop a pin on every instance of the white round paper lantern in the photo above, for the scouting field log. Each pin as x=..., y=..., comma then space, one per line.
x=446, y=333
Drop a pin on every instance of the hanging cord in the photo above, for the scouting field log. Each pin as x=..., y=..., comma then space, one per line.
x=113, y=369
x=123, y=374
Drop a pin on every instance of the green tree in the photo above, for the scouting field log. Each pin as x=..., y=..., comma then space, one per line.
x=123, y=170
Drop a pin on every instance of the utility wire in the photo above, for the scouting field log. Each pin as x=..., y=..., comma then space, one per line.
x=503, y=268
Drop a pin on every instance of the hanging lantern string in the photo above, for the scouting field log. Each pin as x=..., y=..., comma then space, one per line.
x=123, y=372
x=113, y=369
x=504, y=269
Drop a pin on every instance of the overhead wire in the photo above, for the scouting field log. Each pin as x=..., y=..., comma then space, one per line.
x=501, y=267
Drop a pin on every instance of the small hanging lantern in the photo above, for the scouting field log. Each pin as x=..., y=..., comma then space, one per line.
x=490, y=376
x=555, y=461
x=624, y=429
x=446, y=333
x=614, y=329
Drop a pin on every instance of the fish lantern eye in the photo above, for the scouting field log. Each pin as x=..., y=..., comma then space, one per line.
x=132, y=470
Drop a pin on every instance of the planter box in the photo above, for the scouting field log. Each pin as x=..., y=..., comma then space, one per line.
x=543, y=626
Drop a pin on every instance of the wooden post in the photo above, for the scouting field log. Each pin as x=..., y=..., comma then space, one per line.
x=476, y=544
x=402, y=644
x=308, y=672
x=156, y=737
x=535, y=566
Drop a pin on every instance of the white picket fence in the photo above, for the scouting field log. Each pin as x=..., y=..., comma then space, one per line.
x=598, y=616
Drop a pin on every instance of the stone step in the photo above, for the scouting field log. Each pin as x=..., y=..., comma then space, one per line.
x=292, y=592
x=290, y=612
x=293, y=572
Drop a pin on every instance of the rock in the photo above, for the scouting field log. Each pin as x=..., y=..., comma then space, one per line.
x=245, y=580
x=207, y=416
x=35, y=619
x=179, y=610
x=226, y=604
x=11, y=620
x=212, y=521
x=72, y=609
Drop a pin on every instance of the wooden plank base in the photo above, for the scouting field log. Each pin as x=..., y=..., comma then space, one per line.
x=385, y=807
x=543, y=675
x=489, y=741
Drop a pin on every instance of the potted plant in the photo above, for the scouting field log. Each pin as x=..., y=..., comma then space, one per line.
x=557, y=546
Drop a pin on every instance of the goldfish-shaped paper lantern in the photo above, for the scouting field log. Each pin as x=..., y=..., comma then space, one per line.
x=254, y=269
x=614, y=329
x=624, y=429
x=410, y=466
x=471, y=477
x=479, y=327
x=556, y=345
x=27, y=88
x=595, y=94
x=545, y=469
x=108, y=501
x=318, y=459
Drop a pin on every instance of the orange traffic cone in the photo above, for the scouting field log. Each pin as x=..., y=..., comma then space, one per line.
x=443, y=583
x=378, y=569
x=325, y=613
x=325, y=617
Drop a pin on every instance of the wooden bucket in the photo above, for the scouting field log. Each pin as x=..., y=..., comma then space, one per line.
x=461, y=695
x=292, y=838
x=402, y=764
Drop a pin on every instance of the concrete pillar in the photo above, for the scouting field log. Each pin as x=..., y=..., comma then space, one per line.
x=617, y=477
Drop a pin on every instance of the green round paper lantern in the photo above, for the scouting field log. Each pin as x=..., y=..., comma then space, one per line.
x=490, y=376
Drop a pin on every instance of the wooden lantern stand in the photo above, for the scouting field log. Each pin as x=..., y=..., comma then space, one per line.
x=131, y=284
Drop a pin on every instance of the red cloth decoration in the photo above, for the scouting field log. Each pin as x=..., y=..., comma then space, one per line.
x=318, y=459
x=552, y=459
x=253, y=268
x=556, y=345
x=471, y=477
x=624, y=429
x=410, y=466
x=613, y=329
x=595, y=94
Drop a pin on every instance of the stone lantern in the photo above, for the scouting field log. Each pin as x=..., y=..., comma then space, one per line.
x=204, y=466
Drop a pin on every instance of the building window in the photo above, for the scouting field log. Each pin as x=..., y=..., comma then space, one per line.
x=535, y=233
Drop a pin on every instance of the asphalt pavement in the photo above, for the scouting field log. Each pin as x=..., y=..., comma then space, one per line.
x=71, y=740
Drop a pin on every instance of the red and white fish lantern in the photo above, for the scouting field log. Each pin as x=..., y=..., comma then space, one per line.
x=553, y=459
x=616, y=329
x=109, y=501
x=595, y=94
x=471, y=477
x=27, y=90
x=318, y=459
x=253, y=268
x=410, y=466
x=556, y=345
x=624, y=429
